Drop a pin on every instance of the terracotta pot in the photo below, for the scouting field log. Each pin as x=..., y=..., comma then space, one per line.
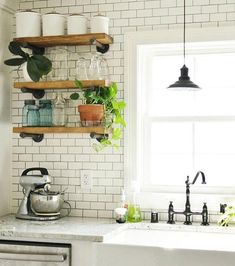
x=91, y=114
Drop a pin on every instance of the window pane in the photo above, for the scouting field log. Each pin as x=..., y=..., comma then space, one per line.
x=215, y=152
x=214, y=73
x=188, y=131
x=170, y=153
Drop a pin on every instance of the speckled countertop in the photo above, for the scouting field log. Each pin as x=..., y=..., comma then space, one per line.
x=89, y=229
x=68, y=228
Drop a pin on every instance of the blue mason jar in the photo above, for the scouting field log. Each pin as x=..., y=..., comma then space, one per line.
x=45, y=113
x=27, y=103
x=33, y=116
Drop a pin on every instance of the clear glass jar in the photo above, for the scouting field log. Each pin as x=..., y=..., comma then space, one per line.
x=94, y=68
x=58, y=111
x=27, y=103
x=45, y=113
x=33, y=116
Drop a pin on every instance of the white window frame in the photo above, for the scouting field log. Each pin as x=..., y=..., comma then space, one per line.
x=160, y=198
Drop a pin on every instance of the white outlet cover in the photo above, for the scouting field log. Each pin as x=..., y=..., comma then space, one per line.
x=86, y=179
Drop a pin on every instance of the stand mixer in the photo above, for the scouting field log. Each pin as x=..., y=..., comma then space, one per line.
x=30, y=184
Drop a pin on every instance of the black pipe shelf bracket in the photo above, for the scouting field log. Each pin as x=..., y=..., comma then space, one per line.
x=100, y=47
x=35, y=137
x=38, y=94
x=35, y=49
x=98, y=136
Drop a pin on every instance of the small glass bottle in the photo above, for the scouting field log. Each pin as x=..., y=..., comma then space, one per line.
x=33, y=116
x=58, y=112
x=134, y=213
x=45, y=113
x=27, y=103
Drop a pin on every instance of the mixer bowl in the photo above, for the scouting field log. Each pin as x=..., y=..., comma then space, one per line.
x=46, y=202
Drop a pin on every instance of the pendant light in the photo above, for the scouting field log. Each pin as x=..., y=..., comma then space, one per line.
x=184, y=82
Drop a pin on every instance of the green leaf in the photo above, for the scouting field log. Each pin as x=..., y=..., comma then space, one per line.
x=115, y=105
x=116, y=134
x=78, y=84
x=74, y=96
x=44, y=65
x=119, y=120
x=115, y=146
x=15, y=48
x=121, y=105
x=33, y=70
x=106, y=142
x=113, y=90
x=15, y=61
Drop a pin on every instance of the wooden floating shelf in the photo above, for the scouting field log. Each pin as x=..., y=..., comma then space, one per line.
x=59, y=84
x=80, y=39
x=48, y=130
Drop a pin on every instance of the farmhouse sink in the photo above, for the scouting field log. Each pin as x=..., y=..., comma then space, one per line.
x=168, y=247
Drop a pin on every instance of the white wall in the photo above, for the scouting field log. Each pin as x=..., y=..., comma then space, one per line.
x=5, y=107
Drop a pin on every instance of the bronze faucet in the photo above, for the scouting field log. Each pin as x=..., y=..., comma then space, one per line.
x=187, y=212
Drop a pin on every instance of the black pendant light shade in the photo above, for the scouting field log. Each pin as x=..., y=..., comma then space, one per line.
x=184, y=81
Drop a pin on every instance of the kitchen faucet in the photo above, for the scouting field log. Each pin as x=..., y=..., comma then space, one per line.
x=187, y=212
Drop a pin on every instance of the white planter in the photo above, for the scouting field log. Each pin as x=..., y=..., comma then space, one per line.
x=28, y=24
x=25, y=72
x=53, y=24
x=99, y=24
x=77, y=24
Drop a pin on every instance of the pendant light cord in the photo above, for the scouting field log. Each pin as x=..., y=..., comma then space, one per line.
x=184, y=31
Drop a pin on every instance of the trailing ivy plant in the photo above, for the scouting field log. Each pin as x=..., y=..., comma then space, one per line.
x=107, y=96
x=38, y=65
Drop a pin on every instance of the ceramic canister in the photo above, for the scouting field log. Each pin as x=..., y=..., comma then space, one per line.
x=28, y=24
x=53, y=24
x=99, y=24
x=77, y=24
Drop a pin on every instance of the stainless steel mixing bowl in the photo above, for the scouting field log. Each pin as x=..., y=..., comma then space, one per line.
x=46, y=202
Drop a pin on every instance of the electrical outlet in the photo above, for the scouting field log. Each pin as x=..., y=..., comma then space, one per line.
x=86, y=179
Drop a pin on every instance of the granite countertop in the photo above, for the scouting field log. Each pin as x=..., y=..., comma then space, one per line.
x=89, y=229
x=67, y=228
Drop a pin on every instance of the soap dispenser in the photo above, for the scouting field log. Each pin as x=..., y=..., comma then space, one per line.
x=134, y=214
x=121, y=212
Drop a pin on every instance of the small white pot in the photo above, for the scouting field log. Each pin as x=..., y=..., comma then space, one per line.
x=28, y=24
x=53, y=24
x=100, y=24
x=25, y=72
x=77, y=24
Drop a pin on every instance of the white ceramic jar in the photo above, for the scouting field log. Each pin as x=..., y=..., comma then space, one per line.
x=77, y=24
x=53, y=24
x=100, y=24
x=28, y=24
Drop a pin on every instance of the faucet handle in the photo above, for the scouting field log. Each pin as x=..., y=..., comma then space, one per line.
x=222, y=208
x=171, y=213
x=204, y=215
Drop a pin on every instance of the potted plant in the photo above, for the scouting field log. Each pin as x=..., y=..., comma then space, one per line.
x=37, y=65
x=102, y=102
x=228, y=216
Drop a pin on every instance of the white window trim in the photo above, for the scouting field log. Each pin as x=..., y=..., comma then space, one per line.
x=131, y=41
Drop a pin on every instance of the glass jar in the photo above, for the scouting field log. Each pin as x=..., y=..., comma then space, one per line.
x=94, y=68
x=27, y=103
x=45, y=113
x=58, y=111
x=33, y=116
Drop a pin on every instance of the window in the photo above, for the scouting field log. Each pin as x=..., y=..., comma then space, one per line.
x=179, y=133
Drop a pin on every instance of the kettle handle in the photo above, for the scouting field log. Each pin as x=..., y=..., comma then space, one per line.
x=41, y=169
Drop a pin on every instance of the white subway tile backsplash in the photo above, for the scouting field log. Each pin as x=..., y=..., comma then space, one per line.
x=65, y=155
